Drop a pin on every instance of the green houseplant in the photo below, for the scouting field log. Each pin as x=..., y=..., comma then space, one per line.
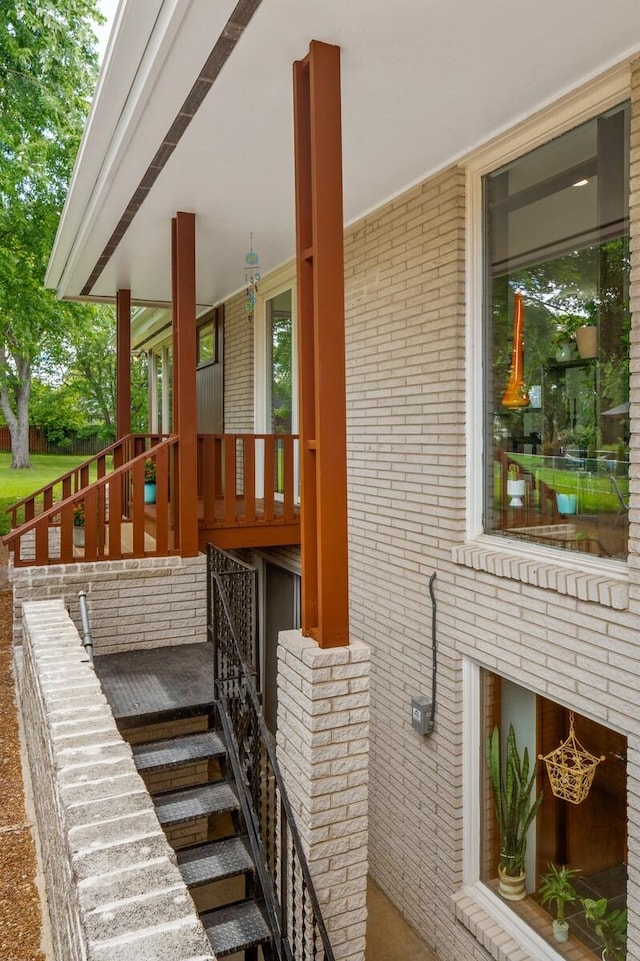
x=514, y=810
x=609, y=926
x=556, y=888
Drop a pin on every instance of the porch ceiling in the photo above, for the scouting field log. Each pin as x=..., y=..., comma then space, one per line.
x=423, y=82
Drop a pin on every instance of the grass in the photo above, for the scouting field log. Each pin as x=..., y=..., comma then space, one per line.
x=594, y=490
x=16, y=484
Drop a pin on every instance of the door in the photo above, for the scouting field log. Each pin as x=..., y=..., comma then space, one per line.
x=281, y=612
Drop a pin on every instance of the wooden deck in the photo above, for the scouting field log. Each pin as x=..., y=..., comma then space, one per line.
x=247, y=530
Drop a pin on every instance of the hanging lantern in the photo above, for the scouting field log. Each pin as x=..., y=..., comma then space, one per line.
x=251, y=278
x=571, y=768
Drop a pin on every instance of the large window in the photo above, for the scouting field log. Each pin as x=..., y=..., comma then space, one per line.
x=557, y=341
x=579, y=824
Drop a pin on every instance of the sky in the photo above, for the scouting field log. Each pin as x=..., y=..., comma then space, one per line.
x=108, y=9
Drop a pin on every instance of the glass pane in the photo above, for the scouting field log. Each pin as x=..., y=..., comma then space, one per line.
x=206, y=343
x=279, y=360
x=557, y=342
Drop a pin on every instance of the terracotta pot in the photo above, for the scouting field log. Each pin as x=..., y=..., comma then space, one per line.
x=587, y=341
x=511, y=889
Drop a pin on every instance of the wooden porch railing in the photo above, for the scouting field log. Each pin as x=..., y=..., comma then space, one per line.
x=247, y=480
x=79, y=477
x=113, y=511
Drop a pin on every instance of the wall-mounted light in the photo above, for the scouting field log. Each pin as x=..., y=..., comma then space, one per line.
x=580, y=183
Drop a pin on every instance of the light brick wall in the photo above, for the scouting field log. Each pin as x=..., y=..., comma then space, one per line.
x=564, y=634
x=114, y=890
x=238, y=367
x=152, y=602
x=404, y=268
x=322, y=739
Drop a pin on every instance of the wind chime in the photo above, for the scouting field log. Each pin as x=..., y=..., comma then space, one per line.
x=251, y=278
x=571, y=768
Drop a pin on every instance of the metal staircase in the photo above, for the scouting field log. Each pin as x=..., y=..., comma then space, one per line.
x=215, y=782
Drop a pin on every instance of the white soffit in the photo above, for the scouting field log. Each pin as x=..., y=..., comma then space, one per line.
x=423, y=82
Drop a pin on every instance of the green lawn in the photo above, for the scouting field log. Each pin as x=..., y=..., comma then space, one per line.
x=16, y=484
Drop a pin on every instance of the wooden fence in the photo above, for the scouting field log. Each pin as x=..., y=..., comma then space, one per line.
x=38, y=444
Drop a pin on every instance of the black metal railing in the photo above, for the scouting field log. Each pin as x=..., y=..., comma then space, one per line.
x=290, y=899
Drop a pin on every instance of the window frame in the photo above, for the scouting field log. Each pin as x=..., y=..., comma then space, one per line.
x=584, y=104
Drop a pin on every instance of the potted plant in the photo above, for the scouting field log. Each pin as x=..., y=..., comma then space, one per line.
x=149, y=481
x=556, y=888
x=78, y=525
x=514, y=810
x=609, y=926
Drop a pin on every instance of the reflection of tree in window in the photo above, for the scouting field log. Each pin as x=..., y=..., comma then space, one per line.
x=557, y=231
x=279, y=334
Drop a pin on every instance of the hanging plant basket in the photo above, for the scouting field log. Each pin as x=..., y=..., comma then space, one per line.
x=571, y=768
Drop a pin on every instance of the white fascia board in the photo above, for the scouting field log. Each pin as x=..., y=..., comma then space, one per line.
x=141, y=40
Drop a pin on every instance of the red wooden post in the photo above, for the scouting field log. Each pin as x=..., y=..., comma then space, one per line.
x=184, y=384
x=320, y=264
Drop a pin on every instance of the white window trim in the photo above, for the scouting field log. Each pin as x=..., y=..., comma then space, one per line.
x=583, y=104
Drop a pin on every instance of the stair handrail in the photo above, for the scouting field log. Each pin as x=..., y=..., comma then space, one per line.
x=85, y=465
x=245, y=680
x=67, y=505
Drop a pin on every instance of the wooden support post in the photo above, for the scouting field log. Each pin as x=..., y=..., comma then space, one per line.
x=320, y=263
x=123, y=363
x=184, y=383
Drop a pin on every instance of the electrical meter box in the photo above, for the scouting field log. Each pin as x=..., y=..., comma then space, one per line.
x=421, y=708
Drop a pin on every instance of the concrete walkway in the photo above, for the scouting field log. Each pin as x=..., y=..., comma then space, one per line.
x=389, y=937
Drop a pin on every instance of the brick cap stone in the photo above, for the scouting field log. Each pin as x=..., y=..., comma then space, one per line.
x=308, y=650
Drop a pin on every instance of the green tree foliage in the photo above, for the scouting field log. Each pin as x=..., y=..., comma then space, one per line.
x=48, y=69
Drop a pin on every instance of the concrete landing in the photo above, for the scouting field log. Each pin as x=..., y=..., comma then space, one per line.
x=389, y=937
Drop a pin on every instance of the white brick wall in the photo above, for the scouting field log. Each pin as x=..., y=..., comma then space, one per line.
x=114, y=890
x=238, y=367
x=151, y=602
x=322, y=738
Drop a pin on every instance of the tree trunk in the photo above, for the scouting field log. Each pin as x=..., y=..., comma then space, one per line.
x=18, y=422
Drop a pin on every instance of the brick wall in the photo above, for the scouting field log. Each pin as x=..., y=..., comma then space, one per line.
x=404, y=269
x=556, y=630
x=322, y=739
x=114, y=890
x=152, y=602
x=238, y=367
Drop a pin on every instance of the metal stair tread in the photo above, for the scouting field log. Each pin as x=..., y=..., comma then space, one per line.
x=188, y=804
x=235, y=927
x=214, y=861
x=153, y=755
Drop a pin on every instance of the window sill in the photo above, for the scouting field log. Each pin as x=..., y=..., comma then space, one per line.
x=514, y=932
x=595, y=580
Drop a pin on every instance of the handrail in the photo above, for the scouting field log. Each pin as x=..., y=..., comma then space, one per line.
x=294, y=909
x=101, y=505
x=80, y=473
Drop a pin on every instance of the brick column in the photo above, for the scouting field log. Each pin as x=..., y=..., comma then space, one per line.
x=323, y=747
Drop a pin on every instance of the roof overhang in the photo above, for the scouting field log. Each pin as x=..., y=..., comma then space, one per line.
x=423, y=83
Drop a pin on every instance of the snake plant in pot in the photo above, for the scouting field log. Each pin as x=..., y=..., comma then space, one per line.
x=515, y=811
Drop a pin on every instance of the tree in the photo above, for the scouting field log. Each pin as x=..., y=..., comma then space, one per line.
x=48, y=69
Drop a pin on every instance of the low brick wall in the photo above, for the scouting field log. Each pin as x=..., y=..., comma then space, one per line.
x=151, y=602
x=115, y=892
